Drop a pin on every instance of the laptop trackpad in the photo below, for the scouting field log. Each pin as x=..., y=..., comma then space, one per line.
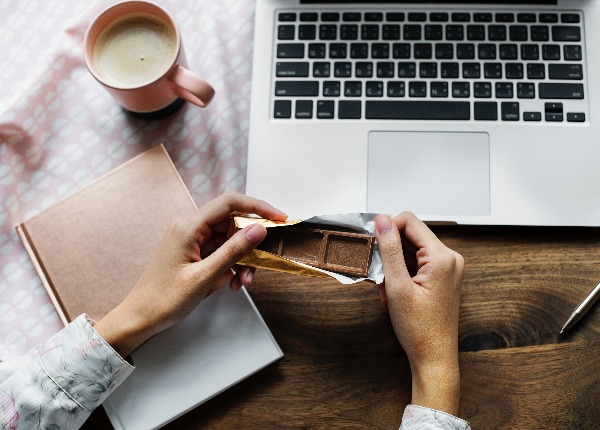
x=429, y=173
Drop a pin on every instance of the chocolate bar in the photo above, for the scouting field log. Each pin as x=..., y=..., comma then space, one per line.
x=332, y=250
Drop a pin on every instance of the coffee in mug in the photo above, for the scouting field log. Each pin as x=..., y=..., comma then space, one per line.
x=134, y=50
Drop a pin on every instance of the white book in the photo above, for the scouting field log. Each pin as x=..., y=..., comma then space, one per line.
x=223, y=341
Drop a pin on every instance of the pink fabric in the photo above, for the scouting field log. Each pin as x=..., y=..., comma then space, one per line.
x=59, y=129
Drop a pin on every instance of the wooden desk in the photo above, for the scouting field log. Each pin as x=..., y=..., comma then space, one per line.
x=343, y=367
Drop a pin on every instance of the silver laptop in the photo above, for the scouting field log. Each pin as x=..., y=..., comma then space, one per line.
x=478, y=113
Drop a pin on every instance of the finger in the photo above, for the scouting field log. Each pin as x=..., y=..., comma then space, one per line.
x=416, y=231
x=223, y=206
x=225, y=257
x=390, y=249
x=246, y=275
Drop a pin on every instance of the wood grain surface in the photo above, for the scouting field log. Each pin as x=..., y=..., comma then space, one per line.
x=343, y=367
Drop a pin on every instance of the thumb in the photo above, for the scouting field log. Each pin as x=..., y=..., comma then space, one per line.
x=232, y=251
x=390, y=249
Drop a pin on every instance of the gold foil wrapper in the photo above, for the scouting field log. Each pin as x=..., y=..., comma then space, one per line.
x=265, y=260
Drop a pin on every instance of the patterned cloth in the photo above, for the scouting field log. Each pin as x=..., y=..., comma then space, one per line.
x=58, y=384
x=421, y=418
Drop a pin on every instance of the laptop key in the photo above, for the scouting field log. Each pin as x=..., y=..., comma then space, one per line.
x=540, y=33
x=417, y=89
x=395, y=16
x=385, y=69
x=417, y=16
x=321, y=69
x=565, y=71
x=363, y=69
x=291, y=69
x=282, y=109
x=492, y=70
x=526, y=17
x=330, y=16
x=396, y=89
x=342, y=69
x=434, y=32
x=290, y=50
x=373, y=16
x=482, y=90
x=514, y=70
x=497, y=32
x=530, y=52
x=401, y=50
x=576, y=116
x=428, y=70
x=569, y=18
x=331, y=88
x=338, y=50
x=390, y=32
x=374, y=89
x=287, y=17
x=369, y=32
x=548, y=17
x=566, y=33
x=461, y=89
x=475, y=32
x=351, y=16
x=508, y=51
x=510, y=111
x=307, y=32
x=349, y=32
x=449, y=70
x=304, y=109
x=551, y=52
x=485, y=111
x=486, y=51
x=455, y=32
x=438, y=89
x=316, y=50
x=412, y=32
x=536, y=71
x=461, y=17
x=380, y=50
x=309, y=17
x=353, y=89
x=359, y=50
x=438, y=17
x=482, y=17
x=349, y=109
x=327, y=31
x=518, y=33
x=505, y=17
x=423, y=51
x=444, y=51
x=417, y=109
x=525, y=90
x=471, y=70
x=504, y=90
x=286, y=32
x=532, y=116
x=296, y=88
x=560, y=91
x=465, y=51
x=407, y=70
x=572, y=52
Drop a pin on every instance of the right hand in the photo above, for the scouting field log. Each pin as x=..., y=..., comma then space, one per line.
x=423, y=306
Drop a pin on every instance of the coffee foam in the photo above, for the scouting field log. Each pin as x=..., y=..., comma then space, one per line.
x=134, y=50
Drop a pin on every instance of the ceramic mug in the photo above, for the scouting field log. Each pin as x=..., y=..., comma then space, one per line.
x=134, y=50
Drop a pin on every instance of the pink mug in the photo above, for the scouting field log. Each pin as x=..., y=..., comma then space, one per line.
x=134, y=50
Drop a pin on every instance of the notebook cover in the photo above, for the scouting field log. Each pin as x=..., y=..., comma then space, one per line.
x=89, y=250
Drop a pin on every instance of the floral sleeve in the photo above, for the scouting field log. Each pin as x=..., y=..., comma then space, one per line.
x=58, y=384
x=421, y=418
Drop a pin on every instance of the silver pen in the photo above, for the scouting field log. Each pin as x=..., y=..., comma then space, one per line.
x=582, y=309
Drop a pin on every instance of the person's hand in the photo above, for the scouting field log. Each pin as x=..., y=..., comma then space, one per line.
x=192, y=261
x=422, y=289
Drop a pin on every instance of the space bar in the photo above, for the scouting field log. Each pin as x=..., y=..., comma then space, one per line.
x=396, y=109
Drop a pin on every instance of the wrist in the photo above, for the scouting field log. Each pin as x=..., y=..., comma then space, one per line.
x=437, y=386
x=122, y=332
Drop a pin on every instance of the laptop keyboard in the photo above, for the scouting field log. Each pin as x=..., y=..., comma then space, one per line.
x=456, y=66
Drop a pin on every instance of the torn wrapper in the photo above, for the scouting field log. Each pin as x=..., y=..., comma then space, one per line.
x=336, y=243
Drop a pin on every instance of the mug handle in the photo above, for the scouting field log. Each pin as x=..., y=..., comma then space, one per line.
x=191, y=87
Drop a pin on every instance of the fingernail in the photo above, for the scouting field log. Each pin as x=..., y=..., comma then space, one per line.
x=255, y=233
x=383, y=224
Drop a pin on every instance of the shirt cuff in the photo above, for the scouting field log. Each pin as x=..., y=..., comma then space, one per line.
x=420, y=417
x=82, y=363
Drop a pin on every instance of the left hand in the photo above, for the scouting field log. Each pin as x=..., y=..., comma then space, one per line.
x=192, y=261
